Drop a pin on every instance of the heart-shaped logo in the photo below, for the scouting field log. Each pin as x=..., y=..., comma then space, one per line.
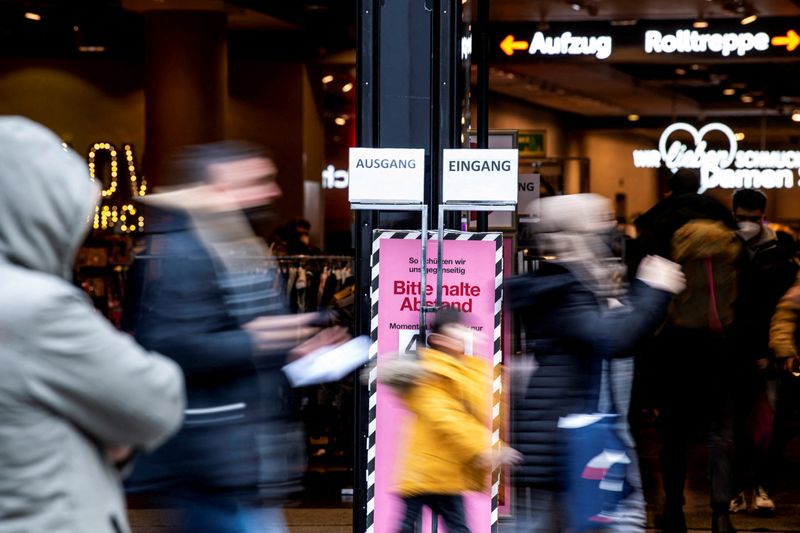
x=677, y=155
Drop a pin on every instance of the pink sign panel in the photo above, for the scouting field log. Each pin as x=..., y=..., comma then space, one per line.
x=472, y=274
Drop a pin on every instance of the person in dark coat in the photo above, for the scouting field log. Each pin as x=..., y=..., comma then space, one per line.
x=656, y=227
x=203, y=297
x=767, y=275
x=575, y=317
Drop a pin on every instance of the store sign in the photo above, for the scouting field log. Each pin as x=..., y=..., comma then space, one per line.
x=565, y=44
x=695, y=42
x=335, y=179
x=726, y=167
x=482, y=176
x=387, y=175
x=466, y=46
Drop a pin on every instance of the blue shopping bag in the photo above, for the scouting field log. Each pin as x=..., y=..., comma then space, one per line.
x=596, y=469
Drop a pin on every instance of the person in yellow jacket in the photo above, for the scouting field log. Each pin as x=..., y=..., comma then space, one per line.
x=448, y=451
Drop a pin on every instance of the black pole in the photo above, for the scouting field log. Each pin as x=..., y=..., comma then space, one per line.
x=365, y=221
x=482, y=25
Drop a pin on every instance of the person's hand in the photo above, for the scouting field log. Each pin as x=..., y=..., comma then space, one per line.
x=661, y=274
x=119, y=453
x=790, y=364
x=281, y=332
x=494, y=458
x=327, y=337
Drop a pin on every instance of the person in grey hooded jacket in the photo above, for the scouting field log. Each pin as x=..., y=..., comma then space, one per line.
x=76, y=395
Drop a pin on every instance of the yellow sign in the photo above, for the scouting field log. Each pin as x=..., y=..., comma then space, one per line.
x=791, y=40
x=509, y=45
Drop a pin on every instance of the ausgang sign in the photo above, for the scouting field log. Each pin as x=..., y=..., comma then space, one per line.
x=387, y=175
x=726, y=167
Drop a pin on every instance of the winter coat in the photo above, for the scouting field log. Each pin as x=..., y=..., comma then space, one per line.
x=242, y=436
x=710, y=255
x=450, y=399
x=766, y=276
x=569, y=332
x=784, y=333
x=72, y=385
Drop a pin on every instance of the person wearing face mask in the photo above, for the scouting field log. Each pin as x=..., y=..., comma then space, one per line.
x=768, y=273
x=693, y=348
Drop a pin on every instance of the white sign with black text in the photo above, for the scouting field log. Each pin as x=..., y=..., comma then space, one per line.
x=487, y=176
x=529, y=187
x=387, y=175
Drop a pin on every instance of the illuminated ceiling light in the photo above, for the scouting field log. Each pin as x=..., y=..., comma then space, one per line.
x=749, y=19
x=327, y=79
x=633, y=117
x=739, y=135
x=92, y=49
x=695, y=67
x=746, y=99
x=680, y=71
x=347, y=87
x=340, y=121
x=576, y=6
x=729, y=91
x=796, y=115
x=700, y=24
x=30, y=15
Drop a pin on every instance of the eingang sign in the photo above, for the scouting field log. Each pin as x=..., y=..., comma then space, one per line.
x=727, y=168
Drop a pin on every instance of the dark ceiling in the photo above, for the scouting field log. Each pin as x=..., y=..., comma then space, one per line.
x=758, y=92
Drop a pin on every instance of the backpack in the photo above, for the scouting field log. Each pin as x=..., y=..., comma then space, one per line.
x=708, y=253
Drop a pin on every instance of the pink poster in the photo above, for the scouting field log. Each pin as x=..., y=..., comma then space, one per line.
x=472, y=276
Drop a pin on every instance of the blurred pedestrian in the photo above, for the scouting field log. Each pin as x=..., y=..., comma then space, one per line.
x=294, y=238
x=78, y=398
x=767, y=274
x=577, y=317
x=208, y=298
x=449, y=449
x=657, y=226
x=784, y=330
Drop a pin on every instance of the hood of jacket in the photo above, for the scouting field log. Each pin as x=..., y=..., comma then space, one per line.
x=48, y=198
x=700, y=239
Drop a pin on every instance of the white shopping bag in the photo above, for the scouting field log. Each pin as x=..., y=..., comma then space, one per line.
x=328, y=364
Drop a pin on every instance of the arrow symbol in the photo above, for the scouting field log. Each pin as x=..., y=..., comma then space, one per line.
x=791, y=41
x=509, y=45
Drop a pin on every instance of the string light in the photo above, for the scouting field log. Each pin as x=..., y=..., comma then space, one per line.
x=109, y=216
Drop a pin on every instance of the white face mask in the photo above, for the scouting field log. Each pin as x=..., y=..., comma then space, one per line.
x=749, y=230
